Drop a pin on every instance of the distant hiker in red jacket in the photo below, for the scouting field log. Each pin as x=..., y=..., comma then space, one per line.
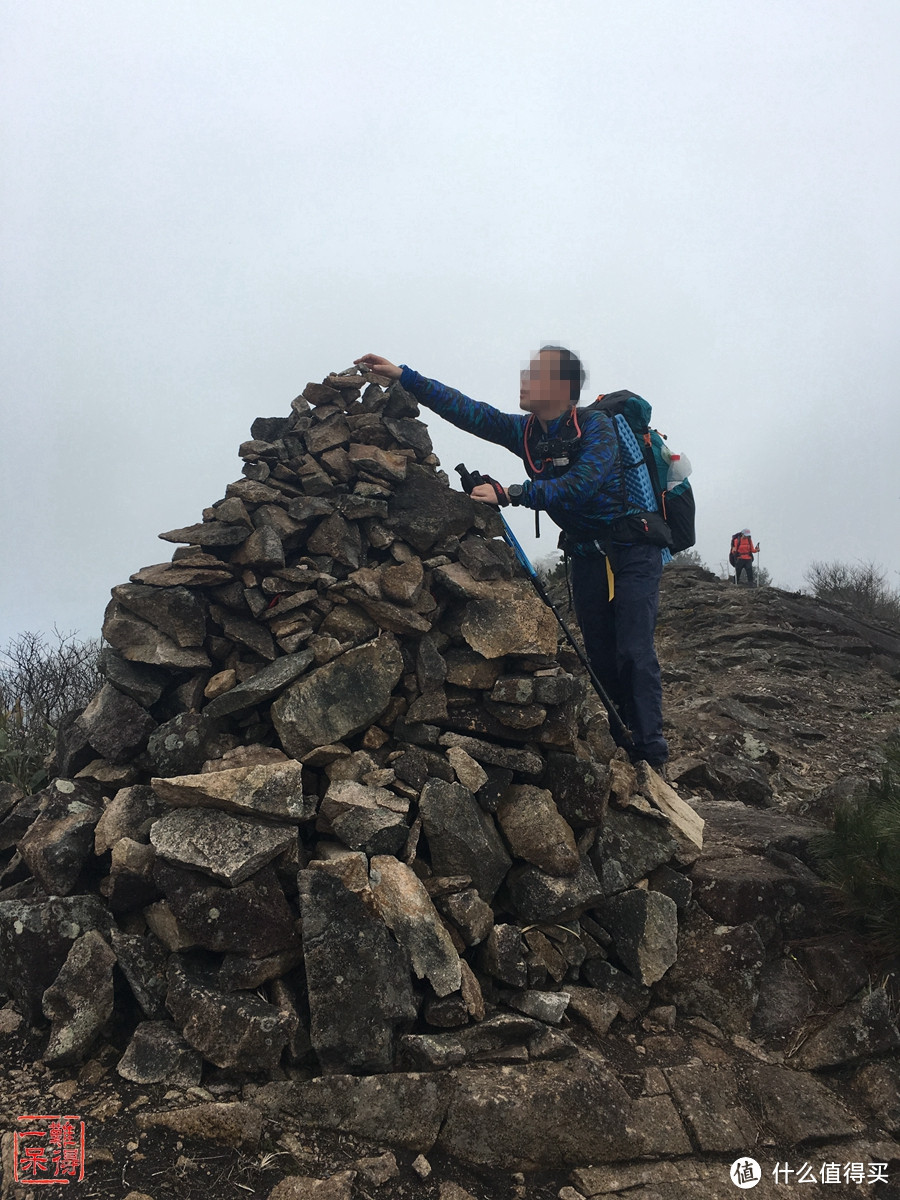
x=741, y=556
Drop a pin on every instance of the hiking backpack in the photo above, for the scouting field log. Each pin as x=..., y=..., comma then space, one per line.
x=676, y=506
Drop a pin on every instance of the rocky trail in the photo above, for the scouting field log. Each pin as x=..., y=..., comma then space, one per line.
x=341, y=891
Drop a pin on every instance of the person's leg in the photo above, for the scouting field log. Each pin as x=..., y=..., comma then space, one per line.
x=596, y=619
x=741, y=566
x=636, y=603
x=750, y=574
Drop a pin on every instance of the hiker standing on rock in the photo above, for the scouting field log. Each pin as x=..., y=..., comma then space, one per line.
x=575, y=475
x=741, y=556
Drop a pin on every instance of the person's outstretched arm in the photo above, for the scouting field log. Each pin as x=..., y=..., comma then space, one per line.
x=485, y=421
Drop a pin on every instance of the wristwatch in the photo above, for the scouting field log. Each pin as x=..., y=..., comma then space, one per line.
x=515, y=491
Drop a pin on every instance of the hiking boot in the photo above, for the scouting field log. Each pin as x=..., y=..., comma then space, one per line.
x=660, y=766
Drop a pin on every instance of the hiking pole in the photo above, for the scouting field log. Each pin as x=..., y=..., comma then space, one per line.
x=470, y=480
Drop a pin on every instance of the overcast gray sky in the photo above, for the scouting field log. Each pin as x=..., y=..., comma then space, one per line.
x=204, y=205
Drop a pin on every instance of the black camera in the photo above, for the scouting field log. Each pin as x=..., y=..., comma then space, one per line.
x=556, y=449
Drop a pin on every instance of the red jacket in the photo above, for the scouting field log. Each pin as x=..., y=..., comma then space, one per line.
x=743, y=548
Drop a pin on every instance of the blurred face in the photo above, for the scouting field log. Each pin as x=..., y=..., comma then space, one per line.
x=541, y=390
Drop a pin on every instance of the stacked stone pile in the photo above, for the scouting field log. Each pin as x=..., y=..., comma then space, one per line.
x=338, y=804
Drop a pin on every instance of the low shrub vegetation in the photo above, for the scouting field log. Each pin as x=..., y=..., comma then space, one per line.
x=860, y=856
x=864, y=586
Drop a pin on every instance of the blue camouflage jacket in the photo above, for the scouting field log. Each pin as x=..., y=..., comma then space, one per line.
x=582, y=500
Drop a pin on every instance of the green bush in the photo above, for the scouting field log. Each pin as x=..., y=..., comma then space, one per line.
x=860, y=856
x=40, y=681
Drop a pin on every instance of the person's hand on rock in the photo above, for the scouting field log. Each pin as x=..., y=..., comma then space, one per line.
x=379, y=366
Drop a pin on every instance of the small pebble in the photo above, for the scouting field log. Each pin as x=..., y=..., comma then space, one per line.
x=10, y=1020
x=422, y=1167
x=376, y=1171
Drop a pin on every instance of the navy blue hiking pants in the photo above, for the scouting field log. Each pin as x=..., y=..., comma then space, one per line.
x=618, y=639
x=744, y=564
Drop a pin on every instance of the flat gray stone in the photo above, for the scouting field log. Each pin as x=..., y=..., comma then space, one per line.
x=423, y=511
x=462, y=839
x=238, y=1030
x=79, y=1002
x=707, y=1098
x=227, y=848
x=796, y=1106
x=635, y=843
x=263, y=549
x=142, y=683
x=250, y=918
x=535, y=831
x=174, y=611
x=136, y=640
x=35, y=939
x=526, y=762
x=209, y=533
x=358, y=978
x=264, y=789
x=60, y=840
x=877, y=1085
x=263, y=686
x=864, y=1029
x=407, y=910
x=544, y=1117
x=130, y=814
x=510, y=619
x=244, y=631
x=157, y=1053
x=482, y=1041
x=536, y=896
x=366, y=818
x=727, y=989
x=115, y=725
x=644, y=929
x=339, y=699
x=404, y=1108
x=543, y=1006
x=183, y=744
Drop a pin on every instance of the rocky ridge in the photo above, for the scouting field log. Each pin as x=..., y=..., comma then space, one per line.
x=339, y=823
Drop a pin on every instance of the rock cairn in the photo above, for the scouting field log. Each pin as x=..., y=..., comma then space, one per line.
x=339, y=805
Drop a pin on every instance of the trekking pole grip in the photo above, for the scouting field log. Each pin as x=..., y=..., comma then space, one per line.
x=469, y=479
